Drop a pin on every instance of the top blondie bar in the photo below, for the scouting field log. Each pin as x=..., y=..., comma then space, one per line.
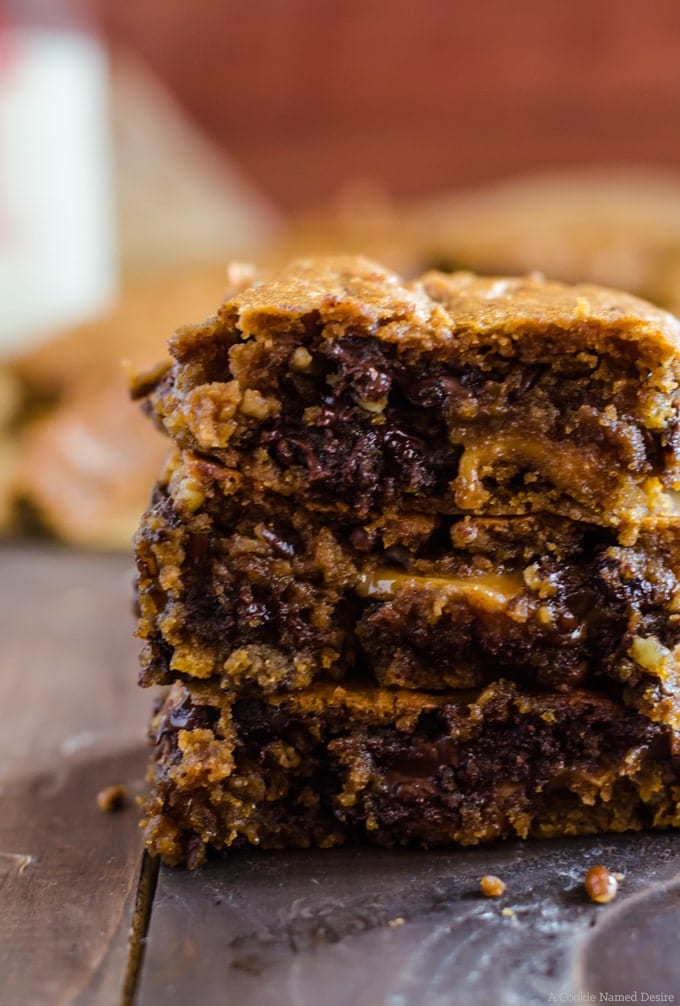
x=337, y=384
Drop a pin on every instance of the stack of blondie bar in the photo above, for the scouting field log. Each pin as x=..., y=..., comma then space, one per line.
x=411, y=570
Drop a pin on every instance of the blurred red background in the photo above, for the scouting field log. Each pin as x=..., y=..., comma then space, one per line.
x=306, y=95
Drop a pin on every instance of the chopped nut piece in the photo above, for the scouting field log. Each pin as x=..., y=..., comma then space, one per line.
x=111, y=798
x=374, y=405
x=601, y=885
x=256, y=405
x=301, y=359
x=492, y=887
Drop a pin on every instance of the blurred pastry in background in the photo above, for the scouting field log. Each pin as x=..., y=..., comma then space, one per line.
x=616, y=227
x=10, y=401
x=362, y=220
x=76, y=455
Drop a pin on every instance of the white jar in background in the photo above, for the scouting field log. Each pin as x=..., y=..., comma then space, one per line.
x=57, y=243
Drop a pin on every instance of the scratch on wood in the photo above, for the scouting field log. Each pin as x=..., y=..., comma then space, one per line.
x=146, y=890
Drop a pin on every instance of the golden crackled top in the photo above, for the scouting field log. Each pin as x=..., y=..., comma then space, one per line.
x=438, y=307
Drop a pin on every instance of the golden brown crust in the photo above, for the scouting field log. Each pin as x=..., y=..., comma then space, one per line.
x=509, y=396
x=485, y=305
x=438, y=307
x=618, y=228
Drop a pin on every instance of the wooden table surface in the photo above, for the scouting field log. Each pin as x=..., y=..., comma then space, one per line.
x=87, y=918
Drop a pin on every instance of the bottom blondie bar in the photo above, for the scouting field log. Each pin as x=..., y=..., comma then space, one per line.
x=343, y=764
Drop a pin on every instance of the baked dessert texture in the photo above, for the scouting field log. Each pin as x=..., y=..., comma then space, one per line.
x=392, y=767
x=264, y=595
x=620, y=229
x=339, y=385
x=411, y=567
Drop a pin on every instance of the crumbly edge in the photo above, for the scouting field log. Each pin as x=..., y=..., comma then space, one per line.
x=337, y=765
x=582, y=420
x=272, y=597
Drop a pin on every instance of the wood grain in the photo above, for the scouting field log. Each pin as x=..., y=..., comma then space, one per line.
x=364, y=926
x=400, y=928
x=73, y=722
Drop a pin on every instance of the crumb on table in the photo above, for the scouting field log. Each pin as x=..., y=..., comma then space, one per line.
x=601, y=885
x=492, y=887
x=111, y=798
